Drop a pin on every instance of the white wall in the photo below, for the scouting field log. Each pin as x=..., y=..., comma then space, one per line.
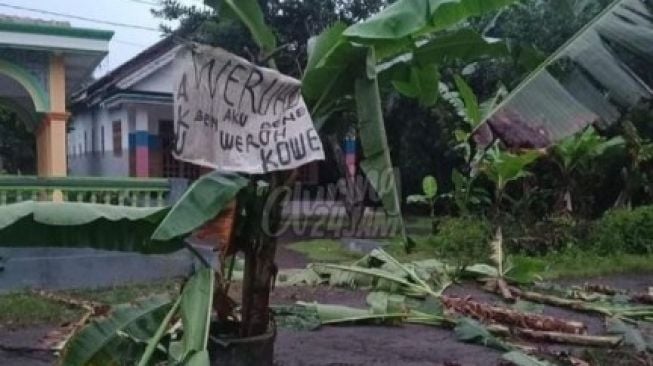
x=134, y=117
x=93, y=161
x=161, y=81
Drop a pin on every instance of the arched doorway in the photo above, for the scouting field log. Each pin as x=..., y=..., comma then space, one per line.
x=17, y=144
x=18, y=127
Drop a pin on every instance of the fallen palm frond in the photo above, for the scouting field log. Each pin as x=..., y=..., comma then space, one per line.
x=57, y=339
x=381, y=272
x=511, y=318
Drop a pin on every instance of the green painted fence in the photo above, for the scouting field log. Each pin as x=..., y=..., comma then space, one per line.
x=151, y=192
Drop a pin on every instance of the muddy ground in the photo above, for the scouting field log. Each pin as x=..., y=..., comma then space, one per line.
x=354, y=345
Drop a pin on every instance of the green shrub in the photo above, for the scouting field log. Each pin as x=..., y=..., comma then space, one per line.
x=463, y=240
x=553, y=234
x=623, y=231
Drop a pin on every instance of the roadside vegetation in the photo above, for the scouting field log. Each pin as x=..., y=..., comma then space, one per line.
x=506, y=202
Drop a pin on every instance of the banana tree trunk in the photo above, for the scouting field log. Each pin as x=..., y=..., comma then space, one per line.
x=260, y=272
x=260, y=269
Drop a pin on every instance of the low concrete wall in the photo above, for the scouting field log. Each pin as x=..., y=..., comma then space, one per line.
x=57, y=269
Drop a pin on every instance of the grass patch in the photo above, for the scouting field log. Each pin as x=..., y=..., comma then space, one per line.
x=567, y=264
x=124, y=294
x=578, y=264
x=23, y=309
x=422, y=249
x=26, y=309
x=324, y=250
x=332, y=251
x=419, y=225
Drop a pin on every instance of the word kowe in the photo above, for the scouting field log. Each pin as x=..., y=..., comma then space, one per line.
x=236, y=116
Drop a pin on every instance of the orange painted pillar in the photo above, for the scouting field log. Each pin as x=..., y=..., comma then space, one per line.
x=51, y=135
x=51, y=145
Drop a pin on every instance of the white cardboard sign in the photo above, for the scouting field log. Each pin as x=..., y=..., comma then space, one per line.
x=232, y=115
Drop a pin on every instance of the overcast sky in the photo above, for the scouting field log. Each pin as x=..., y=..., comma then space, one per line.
x=126, y=42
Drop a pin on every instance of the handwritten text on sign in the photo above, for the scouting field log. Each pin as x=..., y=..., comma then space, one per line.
x=235, y=116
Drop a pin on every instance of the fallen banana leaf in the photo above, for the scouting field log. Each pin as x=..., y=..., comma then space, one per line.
x=470, y=331
x=101, y=343
x=296, y=317
x=298, y=277
x=360, y=277
x=631, y=335
x=511, y=318
x=383, y=303
x=518, y=358
x=338, y=314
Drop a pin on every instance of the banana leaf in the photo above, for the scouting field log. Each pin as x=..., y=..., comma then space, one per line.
x=595, y=77
x=296, y=317
x=83, y=225
x=249, y=13
x=202, y=202
x=200, y=358
x=376, y=163
x=467, y=45
x=337, y=314
x=519, y=358
x=153, y=343
x=196, y=306
x=470, y=331
x=110, y=340
x=631, y=335
x=472, y=107
x=406, y=18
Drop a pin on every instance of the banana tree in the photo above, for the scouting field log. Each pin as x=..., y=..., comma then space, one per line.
x=576, y=152
x=640, y=153
x=503, y=167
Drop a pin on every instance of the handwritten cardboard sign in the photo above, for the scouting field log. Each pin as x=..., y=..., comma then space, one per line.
x=232, y=115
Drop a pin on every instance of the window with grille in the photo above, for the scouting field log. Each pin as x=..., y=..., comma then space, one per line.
x=117, y=137
x=173, y=168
